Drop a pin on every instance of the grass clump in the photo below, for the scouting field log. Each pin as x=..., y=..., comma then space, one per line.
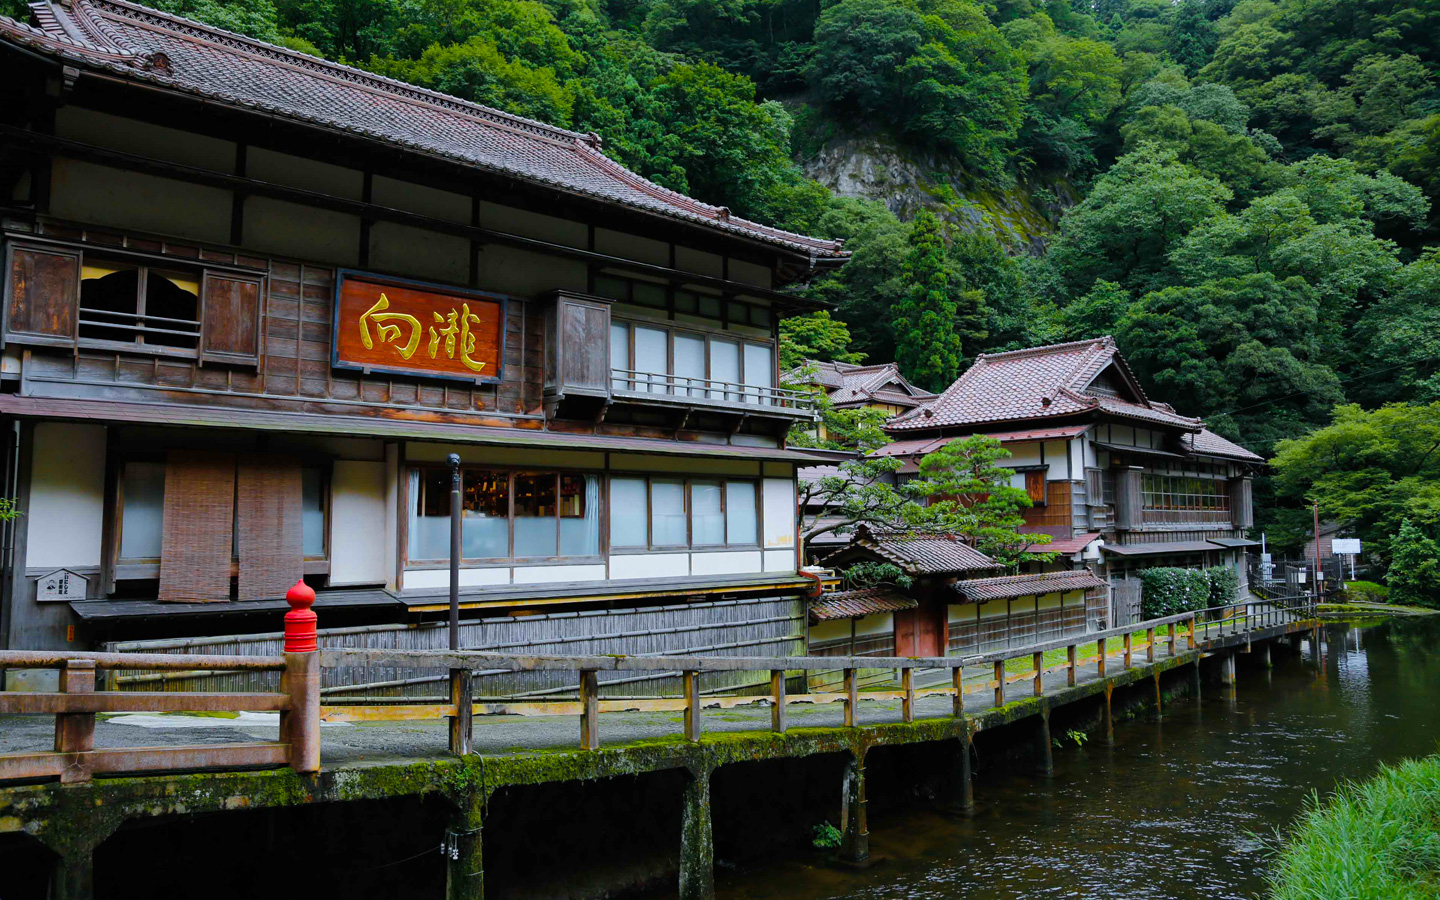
x=1374, y=840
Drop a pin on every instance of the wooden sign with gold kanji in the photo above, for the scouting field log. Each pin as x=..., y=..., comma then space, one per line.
x=390, y=325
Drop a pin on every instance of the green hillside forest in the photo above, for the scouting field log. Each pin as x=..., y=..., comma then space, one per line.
x=1243, y=193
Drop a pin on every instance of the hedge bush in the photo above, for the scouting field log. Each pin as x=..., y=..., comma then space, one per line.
x=1224, y=586
x=1367, y=592
x=1168, y=591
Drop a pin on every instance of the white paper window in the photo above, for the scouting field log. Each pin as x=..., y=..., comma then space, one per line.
x=312, y=512
x=740, y=524
x=579, y=515
x=651, y=357
x=724, y=366
x=707, y=516
x=143, y=518
x=627, y=512
x=690, y=364
x=667, y=513
x=619, y=354
x=759, y=372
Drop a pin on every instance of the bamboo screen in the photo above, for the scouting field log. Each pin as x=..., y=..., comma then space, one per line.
x=268, y=518
x=198, y=538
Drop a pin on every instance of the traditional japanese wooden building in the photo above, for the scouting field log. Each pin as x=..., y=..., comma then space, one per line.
x=253, y=299
x=1119, y=482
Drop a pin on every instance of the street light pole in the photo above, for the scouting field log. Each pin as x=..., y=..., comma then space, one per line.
x=454, y=461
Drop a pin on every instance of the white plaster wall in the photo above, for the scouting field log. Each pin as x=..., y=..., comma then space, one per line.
x=1027, y=454
x=419, y=579
x=698, y=261
x=304, y=232
x=392, y=527
x=548, y=574
x=421, y=199
x=880, y=623
x=830, y=630
x=1058, y=460
x=779, y=507
x=67, y=496
x=306, y=174
x=650, y=565
x=635, y=462
x=144, y=139
x=726, y=563
x=506, y=270
x=358, y=523
x=532, y=224
x=1122, y=434
x=630, y=246
x=422, y=255
x=779, y=560
x=139, y=202
x=749, y=273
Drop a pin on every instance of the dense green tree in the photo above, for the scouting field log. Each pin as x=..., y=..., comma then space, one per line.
x=1192, y=37
x=1414, y=574
x=1370, y=470
x=815, y=337
x=927, y=343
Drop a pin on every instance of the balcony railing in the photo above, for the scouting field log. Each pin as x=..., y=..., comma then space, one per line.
x=689, y=389
x=1185, y=516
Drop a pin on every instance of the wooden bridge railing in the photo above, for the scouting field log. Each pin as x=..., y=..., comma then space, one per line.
x=298, y=701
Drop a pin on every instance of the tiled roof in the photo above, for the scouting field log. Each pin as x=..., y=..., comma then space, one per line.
x=1037, y=383
x=1068, y=546
x=1207, y=443
x=148, y=46
x=858, y=603
x=978, y=590
x=922, y=446
x=920, y=553
x=848, y=384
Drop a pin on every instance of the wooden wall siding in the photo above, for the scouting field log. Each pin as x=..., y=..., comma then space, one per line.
x=767, y=626
x=294, y=364
x=1019, y=628
x=1056, y=511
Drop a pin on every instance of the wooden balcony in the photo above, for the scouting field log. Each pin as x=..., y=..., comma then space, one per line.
x=630, y=386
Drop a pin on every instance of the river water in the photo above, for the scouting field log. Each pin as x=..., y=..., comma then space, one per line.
x=1172, y=810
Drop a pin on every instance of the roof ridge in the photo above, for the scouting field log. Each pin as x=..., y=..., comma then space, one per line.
x=1046, y=348
x=351, y=74
x=1066, y=381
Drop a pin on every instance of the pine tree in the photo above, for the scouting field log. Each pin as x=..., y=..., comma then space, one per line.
x=1414, y=575
x=927, y=345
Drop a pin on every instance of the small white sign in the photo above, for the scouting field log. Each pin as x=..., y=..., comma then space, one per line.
x=1345, y=545
x=60, y=586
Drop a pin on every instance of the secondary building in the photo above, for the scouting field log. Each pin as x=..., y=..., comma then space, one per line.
x=253, y=300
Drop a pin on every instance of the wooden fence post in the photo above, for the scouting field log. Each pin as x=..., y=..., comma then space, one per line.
x=907, y=704
x=1070, y=667
x=777, y=700
x=300, y=724
x=1150, y=644
x=589, y=710
x=1100, y=657
x=852, y=697
x=75, y=732
x=957, y=678
x=1174, y=632
x=999, y=682
x=691, y=681
x=1039, y=674
x=462, y=696
x=1192, y=632
x=1127, y=649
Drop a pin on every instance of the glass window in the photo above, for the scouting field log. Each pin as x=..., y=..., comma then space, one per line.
x=707, y=514
x=142, y=517
x=620, y=355
x=652, y=358
x=724, y=366
x=759, y=372
x=740, y=524
x=627, y=512
x=579, y=515
x=667, y=513
x=535, y=509
x=429, y=536
x=689, y=364
x=485, y=516
x=312, y=512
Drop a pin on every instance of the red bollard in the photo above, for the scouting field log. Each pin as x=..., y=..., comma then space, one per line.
x=300, y=620
x=300, y=724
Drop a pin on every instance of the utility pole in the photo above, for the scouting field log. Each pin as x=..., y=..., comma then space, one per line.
x=1315, y=505
x=454, y=461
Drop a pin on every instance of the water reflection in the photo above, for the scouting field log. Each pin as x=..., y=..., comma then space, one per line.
x=1167, y=811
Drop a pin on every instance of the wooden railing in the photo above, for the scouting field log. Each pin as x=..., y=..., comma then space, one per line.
x=688, y=387
x=75, y=758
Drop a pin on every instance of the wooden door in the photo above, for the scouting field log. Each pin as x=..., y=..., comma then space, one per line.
x=930, y=631
x=906, y=631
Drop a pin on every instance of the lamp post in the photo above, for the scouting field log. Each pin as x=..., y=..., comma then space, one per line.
x=455, y=501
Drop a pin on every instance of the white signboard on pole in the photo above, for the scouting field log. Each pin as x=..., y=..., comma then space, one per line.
x=1345, y=545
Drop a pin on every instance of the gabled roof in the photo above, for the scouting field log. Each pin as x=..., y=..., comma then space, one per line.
x=860, y=603
x=1207, y=443
x=151, y=47
x=978, y=590
x=848, y=384
x=919, y=553
x=1040, y=383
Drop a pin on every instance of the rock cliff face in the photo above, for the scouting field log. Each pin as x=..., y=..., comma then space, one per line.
x=873, y=167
